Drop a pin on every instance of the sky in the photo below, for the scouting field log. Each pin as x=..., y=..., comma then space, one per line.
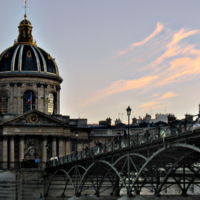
x=113, y=54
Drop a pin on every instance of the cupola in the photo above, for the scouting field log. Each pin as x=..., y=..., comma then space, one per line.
x=25, y=33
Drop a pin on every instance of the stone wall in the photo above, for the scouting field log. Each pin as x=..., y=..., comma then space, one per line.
x=25, y=184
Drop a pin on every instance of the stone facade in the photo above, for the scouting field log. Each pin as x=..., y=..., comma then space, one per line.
x=42, y=87
x=31, y=126
x=24, y=141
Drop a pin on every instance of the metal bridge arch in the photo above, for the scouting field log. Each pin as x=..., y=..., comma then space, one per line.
x=192, y=147
x=93, y=164
x=169, y=172
x=131, y=154
x=62, y=170
x=77, y=166
x=67, y=173
x=112, y=166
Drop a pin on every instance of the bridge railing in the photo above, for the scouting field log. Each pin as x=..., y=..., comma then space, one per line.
x=180, y=126
x=91, y=152
x=174, y=128
x=150, y=134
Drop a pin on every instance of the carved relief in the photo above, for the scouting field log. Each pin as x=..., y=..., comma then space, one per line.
x=34, y=118
x=32, y=148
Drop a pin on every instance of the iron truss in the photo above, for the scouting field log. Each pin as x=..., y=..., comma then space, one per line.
x=154, y=164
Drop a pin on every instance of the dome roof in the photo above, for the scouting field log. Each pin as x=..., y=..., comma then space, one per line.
x=25, y=58
x=25, y=22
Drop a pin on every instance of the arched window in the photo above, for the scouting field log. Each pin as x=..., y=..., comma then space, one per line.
x=3, y=102
x=51, y=104
x=29, y=100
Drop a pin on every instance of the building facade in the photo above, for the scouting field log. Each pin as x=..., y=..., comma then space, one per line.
x=31, y=126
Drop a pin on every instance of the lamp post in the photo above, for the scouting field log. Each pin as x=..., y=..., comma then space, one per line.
x=128, y=110
x=76, y=134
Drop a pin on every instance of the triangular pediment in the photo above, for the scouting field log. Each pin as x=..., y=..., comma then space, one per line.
x=36, y=118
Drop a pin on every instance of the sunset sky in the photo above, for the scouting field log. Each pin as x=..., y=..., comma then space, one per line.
x=117, y=53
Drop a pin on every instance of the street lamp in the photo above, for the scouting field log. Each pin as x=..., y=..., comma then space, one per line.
x=128, y=110
x=76, y=134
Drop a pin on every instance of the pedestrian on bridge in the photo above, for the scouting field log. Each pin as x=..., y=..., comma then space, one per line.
x=99, y=146
x=119, y=138
x=87, y=153
x=196, y=125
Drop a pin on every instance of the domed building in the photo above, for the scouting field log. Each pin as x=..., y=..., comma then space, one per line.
x=31, y=126
x=27, y=71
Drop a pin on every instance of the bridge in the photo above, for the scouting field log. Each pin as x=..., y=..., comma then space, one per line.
x=156, y=159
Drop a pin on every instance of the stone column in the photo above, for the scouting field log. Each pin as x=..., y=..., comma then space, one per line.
x=40, y=103
x=15, y=104
x=61, y=146
x=21, y=149
x=5, y=152
x=67, y=147
x=54, y=146
x=58, y=100
x=10, y=100
x=46, y=98
x=19, y=99
x=12, y=151
x=44, y=151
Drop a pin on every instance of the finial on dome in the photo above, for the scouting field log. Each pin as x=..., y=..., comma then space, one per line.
x=25, y=31
x=25, y=3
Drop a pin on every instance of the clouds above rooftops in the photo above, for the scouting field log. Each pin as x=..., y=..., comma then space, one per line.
x=175, y=60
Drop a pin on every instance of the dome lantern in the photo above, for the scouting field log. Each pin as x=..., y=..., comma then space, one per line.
x=25, y=33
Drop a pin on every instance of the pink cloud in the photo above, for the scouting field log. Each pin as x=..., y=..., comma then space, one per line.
x=150, y=104
x=123, y=85
x=167, y=95
x=158, y=29
x=154, y=95
x=179, y=62
x=181, y=69
x=182, y=34
x=174, y=49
